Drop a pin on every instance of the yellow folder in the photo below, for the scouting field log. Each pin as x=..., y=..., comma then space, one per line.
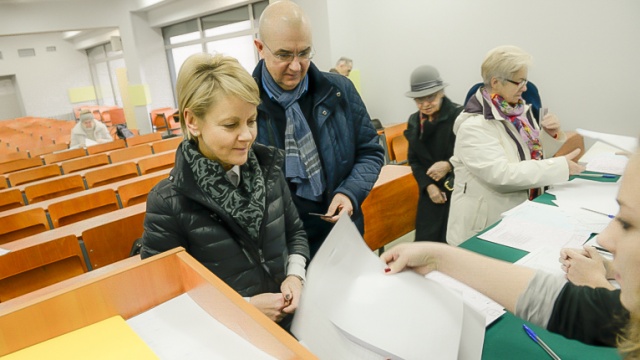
x=108, y=339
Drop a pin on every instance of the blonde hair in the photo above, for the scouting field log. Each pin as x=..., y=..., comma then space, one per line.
x=629, y=342
x=203, y=78
x=502, y=62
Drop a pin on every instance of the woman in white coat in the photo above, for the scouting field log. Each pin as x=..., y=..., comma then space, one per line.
x=501, y=157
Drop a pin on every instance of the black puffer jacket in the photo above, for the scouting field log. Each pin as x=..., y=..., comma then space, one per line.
x=180, y=214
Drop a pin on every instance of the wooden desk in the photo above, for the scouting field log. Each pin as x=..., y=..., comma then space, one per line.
x=130, y=287
x=390, y=209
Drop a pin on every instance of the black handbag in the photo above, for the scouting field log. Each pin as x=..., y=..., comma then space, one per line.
x=449, y=181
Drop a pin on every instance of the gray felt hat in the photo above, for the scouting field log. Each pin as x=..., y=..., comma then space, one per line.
x=425, y=80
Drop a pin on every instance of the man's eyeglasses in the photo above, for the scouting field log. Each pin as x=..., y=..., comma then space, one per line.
x=518, y=84
x=289, y=56
x=429, y=98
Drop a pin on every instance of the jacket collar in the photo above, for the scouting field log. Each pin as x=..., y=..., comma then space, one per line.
x=477, y=104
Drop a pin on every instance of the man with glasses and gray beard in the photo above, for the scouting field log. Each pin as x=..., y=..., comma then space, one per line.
x=333, y=157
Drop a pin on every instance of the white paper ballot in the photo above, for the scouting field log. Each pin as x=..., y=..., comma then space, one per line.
x=351, y=309
x=181, y=329
x=624, y=143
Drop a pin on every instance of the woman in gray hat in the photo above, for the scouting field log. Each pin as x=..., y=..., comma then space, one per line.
x=501, y=156
x=431, y=141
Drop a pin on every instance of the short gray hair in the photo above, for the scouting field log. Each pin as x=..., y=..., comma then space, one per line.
x=504, y=61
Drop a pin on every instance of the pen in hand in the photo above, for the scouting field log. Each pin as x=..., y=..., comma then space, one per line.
x=539, y=341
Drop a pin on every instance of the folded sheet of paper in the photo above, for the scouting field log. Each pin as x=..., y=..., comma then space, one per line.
x=350, y=309
x=181, y=329
x=587, y=194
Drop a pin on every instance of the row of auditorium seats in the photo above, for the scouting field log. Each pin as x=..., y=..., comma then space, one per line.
x=27, y=170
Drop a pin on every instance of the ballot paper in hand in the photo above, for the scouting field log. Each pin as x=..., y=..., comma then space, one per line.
x=350, y=309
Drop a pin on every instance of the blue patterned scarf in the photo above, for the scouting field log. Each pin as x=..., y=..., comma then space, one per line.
x=302, y=162
x=245, y=203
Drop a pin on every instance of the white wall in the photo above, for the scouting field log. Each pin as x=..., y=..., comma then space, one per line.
x=586, y=52
x=43, y=80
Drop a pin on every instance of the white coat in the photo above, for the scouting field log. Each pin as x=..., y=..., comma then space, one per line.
x=490, y=176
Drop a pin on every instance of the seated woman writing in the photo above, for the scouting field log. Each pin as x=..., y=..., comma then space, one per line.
x=226, y=200
x=592, y=315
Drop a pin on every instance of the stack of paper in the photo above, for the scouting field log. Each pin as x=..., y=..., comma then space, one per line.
x=350, y=309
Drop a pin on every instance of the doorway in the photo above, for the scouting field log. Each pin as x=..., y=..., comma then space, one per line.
x=10, y=101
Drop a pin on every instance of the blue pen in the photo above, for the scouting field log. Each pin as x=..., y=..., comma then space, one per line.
x=606, y=176
x=598, y=212
x=539, y=341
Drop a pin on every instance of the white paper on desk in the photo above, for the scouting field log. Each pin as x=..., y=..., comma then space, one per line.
x=564, y=216
x=593, y=195
x=490, y=309
x=544, y=258
x=530, y=235
x=625, y=143
x=608, y=164
x=350, y=309
x=181, y=329
x=596, y=150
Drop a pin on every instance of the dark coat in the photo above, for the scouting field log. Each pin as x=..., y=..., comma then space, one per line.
x=435, y=144
x=347, y=143
x=179, y=213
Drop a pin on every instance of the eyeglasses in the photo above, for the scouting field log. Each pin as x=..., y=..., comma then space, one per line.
x=429, y=98
x=289, y=56
x=518, y=84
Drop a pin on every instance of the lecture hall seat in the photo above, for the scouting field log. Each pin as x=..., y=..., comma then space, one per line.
x=391, y=132
x=130, y=153
x=141, y=139
x=157, y=162
x=31, y=266
x=110, y=242
x=108, y=146
x=13, y=156
x=166, y=144
x=400, y=148
x=83, y=163
x=64, y=155
x=33, y=174
x=23, y=224
x=53, y=188
x=82, y=207
x=11, y=199
x=36, y=152
x=110, y=174
x=136, y=192
x=18, y=165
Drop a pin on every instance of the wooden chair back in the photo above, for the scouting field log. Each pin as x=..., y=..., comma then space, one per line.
x=13, y=156
x=110, y=174
x=391, y=132
x=400, y=146
x=63, y=155
x=29, y=267
x=47, y=149
x=53, y=188
x=3, y=182
x=86, y=162
x=23, y=224
x=157, y=162
x=108, y=146
x=166, y=144
x=11, y=199
x=130, y=153
x=18, y=165
x=135, y=193
x=82, y=207
x=141, y=139
x=112, y=241
x=33, y=174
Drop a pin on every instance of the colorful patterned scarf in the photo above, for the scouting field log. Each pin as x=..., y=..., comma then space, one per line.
x=515, y=114
x=245, y=203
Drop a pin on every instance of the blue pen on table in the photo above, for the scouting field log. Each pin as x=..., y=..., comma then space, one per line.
x=539, y=341
x=598, y=212
x=606, y=176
